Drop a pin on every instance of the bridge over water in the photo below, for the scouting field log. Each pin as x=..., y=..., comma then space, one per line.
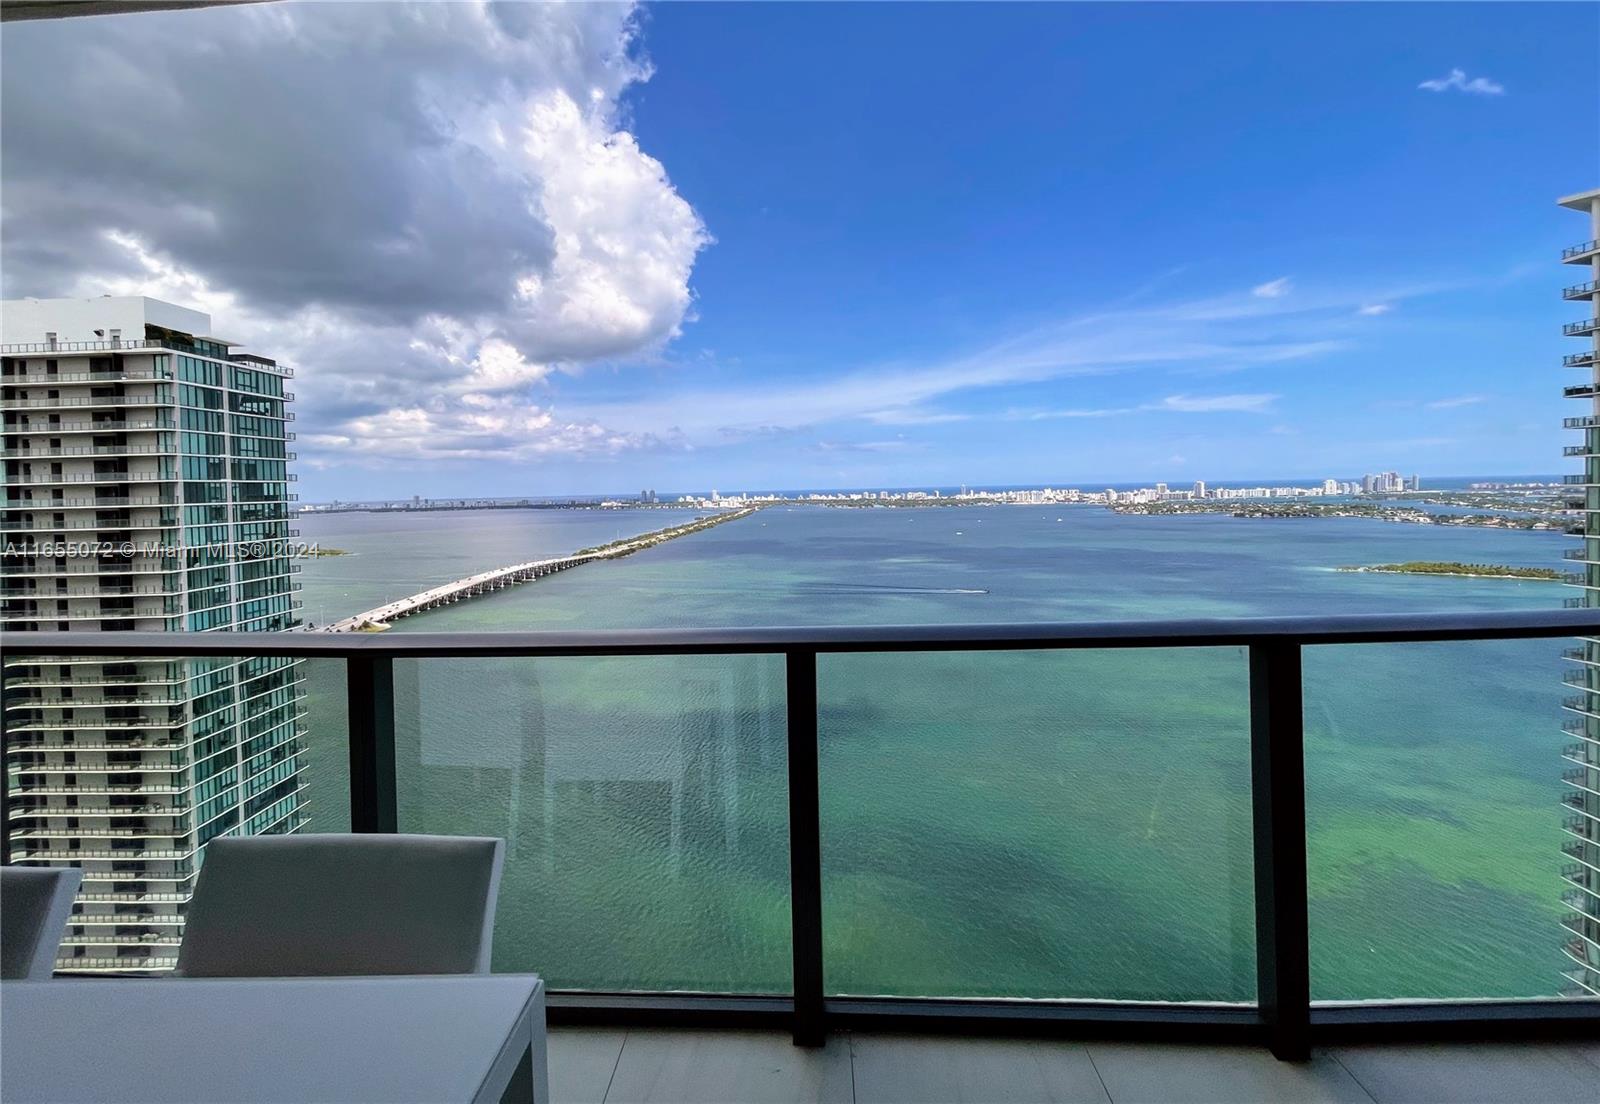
x=501, y=577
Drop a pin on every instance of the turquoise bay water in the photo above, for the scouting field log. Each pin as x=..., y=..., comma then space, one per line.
x=1020, y=824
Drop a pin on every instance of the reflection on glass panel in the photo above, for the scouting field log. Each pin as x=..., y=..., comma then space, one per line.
x=1038, y=824
x=644, y=804
x=327, y=746
x=1434, y=819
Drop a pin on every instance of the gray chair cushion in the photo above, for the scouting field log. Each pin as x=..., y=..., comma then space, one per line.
x=314, y=905
x=34, y=905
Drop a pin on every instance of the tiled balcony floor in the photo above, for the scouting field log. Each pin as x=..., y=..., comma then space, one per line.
x=588, y=1066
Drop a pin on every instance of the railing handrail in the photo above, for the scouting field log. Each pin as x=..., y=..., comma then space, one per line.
x=1381, y=628
x=1282, y=1016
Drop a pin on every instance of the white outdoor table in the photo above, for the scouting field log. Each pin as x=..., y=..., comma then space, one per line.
x=468, y=1037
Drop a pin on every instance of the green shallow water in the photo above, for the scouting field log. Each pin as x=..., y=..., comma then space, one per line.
x=1017, y=824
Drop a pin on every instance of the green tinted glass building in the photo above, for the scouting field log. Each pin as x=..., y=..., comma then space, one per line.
x=146, y=488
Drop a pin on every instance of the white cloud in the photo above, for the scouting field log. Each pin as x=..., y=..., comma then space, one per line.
x=1459, y=400
x=1457, y=81
x=437, y=206
x=1176, y=404
x=1272, y=289
x=1371, y=310
x=1211, y=404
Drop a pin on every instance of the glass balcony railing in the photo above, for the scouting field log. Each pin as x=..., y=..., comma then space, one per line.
x=1269, y=828
x=1581, y=327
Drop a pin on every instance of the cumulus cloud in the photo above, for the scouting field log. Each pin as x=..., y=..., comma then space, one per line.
x=1456, y=80
x=1272, y=289
x=427, y=208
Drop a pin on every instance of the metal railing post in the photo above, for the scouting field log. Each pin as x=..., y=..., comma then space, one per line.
x=369, y=682
x=805, y=846
x=1278, y=785
x=5, y=784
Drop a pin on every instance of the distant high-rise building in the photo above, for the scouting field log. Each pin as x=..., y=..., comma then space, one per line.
x=1366, y=484
x=1416, y=483
x=1581, y=794
x=1199, y=488
x=145, y=489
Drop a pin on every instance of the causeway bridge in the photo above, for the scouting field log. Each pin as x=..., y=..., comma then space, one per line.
x=502, y=577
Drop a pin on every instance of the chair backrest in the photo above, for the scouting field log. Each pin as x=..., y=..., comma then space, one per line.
x=35, y=902
x=315, y=905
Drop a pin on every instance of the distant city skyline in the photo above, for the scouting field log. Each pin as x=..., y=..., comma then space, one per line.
x=588, y=249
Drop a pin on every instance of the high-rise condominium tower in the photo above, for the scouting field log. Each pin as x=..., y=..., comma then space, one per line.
x=145, y=489
x=1581, y=796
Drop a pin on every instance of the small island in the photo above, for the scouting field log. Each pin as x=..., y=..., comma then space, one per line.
x=1479, y=571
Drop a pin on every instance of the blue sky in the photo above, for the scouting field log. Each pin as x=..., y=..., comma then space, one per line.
x=893, y=186
x=905, y=244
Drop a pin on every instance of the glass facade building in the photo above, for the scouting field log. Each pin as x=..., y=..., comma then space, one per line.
x=1580, y=775
x=146, y=488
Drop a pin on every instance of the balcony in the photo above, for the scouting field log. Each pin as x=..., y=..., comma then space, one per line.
x=50, y=379
x=90, y=402
x=147, y=345
x=1581, y=391
x=1580, y=291
x=91, y=450
x=1582, y=253
x=1580, y=360
x=1582, y=328
x=109, y=425
x=821, y=878
x=863, y=1067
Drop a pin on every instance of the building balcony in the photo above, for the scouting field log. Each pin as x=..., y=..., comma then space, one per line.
x=125, y=374
x=106, y=502
x=47, y=855
x=95, y=477
x=1581, y=390
x=1586, y=359
x=124, y=591
x=1578, y=778
x=124, y=525
x=1580, y=291
x=1581, y=328
x=23, y=807
x=147, y=345
x=90, y=450
x=1587, y=421
x=105, y=425
x=117, y=965
x=1582, y=253
x=137, y=612
x=853, y=825
x=85, y=402
x=143, y=939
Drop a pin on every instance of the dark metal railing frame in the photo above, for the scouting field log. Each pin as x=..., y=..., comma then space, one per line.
x=1283, y=1018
